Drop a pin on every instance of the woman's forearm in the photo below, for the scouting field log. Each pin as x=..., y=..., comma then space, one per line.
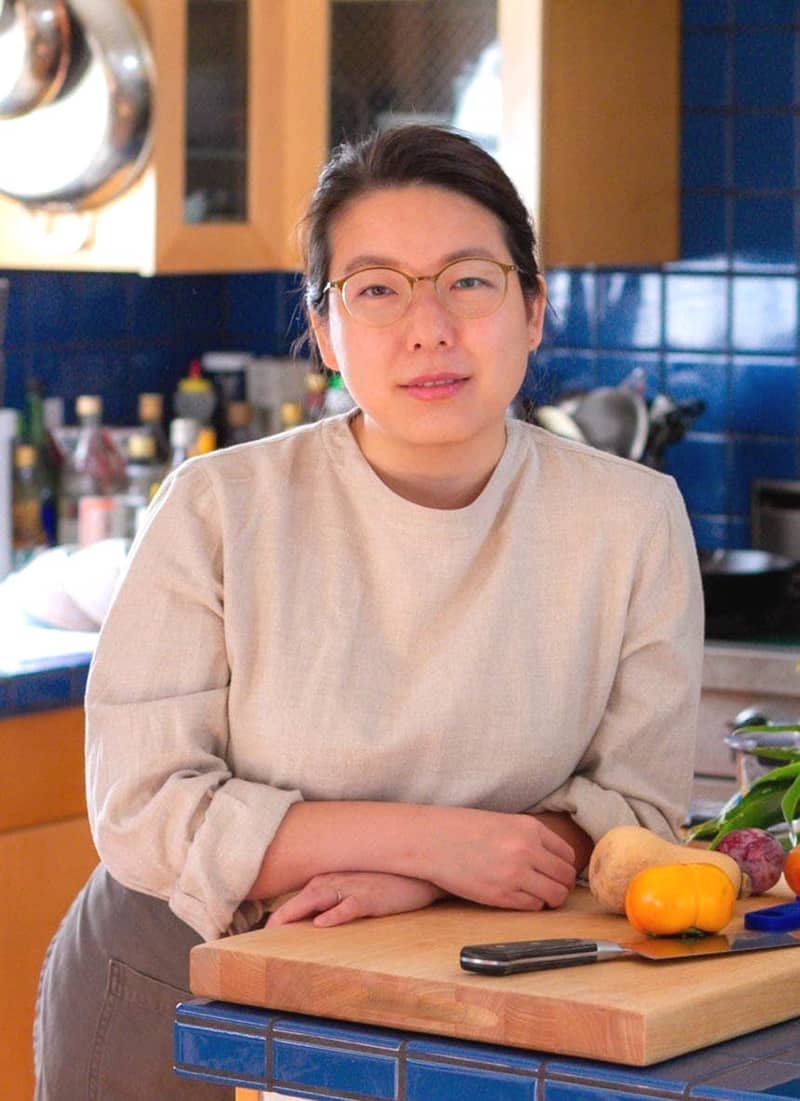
x=487, y=856
x=318, y=837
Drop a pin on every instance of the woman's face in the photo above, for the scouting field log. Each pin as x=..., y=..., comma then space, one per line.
x=477, y=363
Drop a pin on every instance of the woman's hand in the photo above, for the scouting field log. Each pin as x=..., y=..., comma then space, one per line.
x=339, y=897
x=511, y=861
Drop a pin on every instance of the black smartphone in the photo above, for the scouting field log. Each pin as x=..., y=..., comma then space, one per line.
x=513, y=957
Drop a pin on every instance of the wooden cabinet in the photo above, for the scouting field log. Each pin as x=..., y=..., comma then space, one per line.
x=46, y=854
x=160, y=224
x=589, y=133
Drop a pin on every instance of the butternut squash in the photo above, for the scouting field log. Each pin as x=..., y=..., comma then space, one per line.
x=625, y=851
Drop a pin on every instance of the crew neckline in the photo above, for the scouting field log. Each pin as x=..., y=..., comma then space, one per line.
x=352, y=467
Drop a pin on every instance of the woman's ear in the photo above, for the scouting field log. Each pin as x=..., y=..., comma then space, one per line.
x=322, y=336
x=536, y=308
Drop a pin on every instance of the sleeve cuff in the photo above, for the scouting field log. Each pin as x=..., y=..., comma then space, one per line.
x=226, y=856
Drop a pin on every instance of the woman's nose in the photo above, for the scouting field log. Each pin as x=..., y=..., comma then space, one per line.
x=428, y=323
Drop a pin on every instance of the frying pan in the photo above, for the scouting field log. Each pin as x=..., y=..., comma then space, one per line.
x=746, y=582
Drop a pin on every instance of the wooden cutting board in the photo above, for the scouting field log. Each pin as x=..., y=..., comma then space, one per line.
x=403, y=972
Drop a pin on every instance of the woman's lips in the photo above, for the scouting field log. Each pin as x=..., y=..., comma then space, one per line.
x=435, y=387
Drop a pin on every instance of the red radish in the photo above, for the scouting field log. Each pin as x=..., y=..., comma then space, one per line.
x=758, y=854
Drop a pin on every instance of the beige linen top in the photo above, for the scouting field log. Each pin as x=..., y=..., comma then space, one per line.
x=289, y=628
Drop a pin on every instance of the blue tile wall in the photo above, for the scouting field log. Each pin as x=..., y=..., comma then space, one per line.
x=722, y=324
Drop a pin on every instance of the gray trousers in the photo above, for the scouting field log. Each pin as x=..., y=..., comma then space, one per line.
x=111, y=979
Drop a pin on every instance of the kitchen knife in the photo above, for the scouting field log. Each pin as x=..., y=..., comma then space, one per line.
x=513, y=957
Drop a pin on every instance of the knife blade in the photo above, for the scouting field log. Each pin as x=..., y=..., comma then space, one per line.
x=514, y=957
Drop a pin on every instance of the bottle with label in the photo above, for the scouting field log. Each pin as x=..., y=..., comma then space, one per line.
x=26, y=507
x=195, y=399
x=151, y=421
x=144, y=473
x=92, y=505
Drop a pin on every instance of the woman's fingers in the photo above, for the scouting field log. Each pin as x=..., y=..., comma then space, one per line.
x=314, y=898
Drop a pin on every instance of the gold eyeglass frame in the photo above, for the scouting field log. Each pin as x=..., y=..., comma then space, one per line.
x=338, y=284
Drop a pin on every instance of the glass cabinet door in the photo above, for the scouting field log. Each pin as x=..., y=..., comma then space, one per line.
x=394, y=61
x=217, y=48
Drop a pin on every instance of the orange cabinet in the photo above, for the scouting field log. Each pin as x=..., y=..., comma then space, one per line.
x=589, y=133
x=46, y=854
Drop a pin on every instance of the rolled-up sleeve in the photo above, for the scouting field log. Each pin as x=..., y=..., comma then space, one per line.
x=167, y=815
x=639, y=764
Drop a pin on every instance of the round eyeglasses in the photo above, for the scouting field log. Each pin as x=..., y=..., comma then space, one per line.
x=470, y=288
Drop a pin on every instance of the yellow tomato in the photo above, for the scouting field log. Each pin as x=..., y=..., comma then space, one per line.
x=670, y=899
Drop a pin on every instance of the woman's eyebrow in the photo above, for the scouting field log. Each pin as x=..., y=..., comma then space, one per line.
x=372, y=260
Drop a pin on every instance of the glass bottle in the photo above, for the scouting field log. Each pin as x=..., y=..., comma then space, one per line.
x=241, y=428
x=144, y=473
x=151, y=421
x=36, y=433
x=26, y=506
x=314, y=398
x=91, y=505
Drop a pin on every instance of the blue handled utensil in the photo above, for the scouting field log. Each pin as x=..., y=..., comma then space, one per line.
x=774, y=919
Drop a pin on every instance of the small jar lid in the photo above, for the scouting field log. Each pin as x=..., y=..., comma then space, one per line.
x=151, y=407
x=88, y=405
x=24, y=455
x=141, y=446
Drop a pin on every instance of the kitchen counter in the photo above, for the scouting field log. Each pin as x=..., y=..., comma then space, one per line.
x=41, y=668
x=260, y=1049
x=770, y=668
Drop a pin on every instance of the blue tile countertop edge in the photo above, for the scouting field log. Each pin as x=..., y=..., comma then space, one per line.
x=44, y=686
x=311, y=1057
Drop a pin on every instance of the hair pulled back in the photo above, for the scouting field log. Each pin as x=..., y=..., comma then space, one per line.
x=413, y=154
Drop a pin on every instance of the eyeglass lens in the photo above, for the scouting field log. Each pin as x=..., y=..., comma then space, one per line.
x=466, y=288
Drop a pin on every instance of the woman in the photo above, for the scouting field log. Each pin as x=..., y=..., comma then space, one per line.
x=417, y=650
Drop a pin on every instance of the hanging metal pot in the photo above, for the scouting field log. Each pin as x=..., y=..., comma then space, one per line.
x=92, y=140
x=34, y=53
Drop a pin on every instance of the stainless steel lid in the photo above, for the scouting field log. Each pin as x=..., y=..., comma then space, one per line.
x=91, y=141
x=34, y=53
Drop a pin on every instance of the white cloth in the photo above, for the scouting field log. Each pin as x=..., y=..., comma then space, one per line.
x=290, y=628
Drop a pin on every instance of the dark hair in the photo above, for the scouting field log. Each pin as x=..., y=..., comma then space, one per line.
x=413, y=154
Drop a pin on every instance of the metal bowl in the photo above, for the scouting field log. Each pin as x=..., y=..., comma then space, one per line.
x=746, y=744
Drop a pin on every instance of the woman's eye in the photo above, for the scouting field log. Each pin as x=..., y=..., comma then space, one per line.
x=469, y=282
x=375, y=290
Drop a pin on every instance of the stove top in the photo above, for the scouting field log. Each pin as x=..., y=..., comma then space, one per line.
x=775, y=621
x=779, y=625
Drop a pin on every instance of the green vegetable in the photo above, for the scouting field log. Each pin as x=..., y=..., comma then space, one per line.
x=773, y=798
